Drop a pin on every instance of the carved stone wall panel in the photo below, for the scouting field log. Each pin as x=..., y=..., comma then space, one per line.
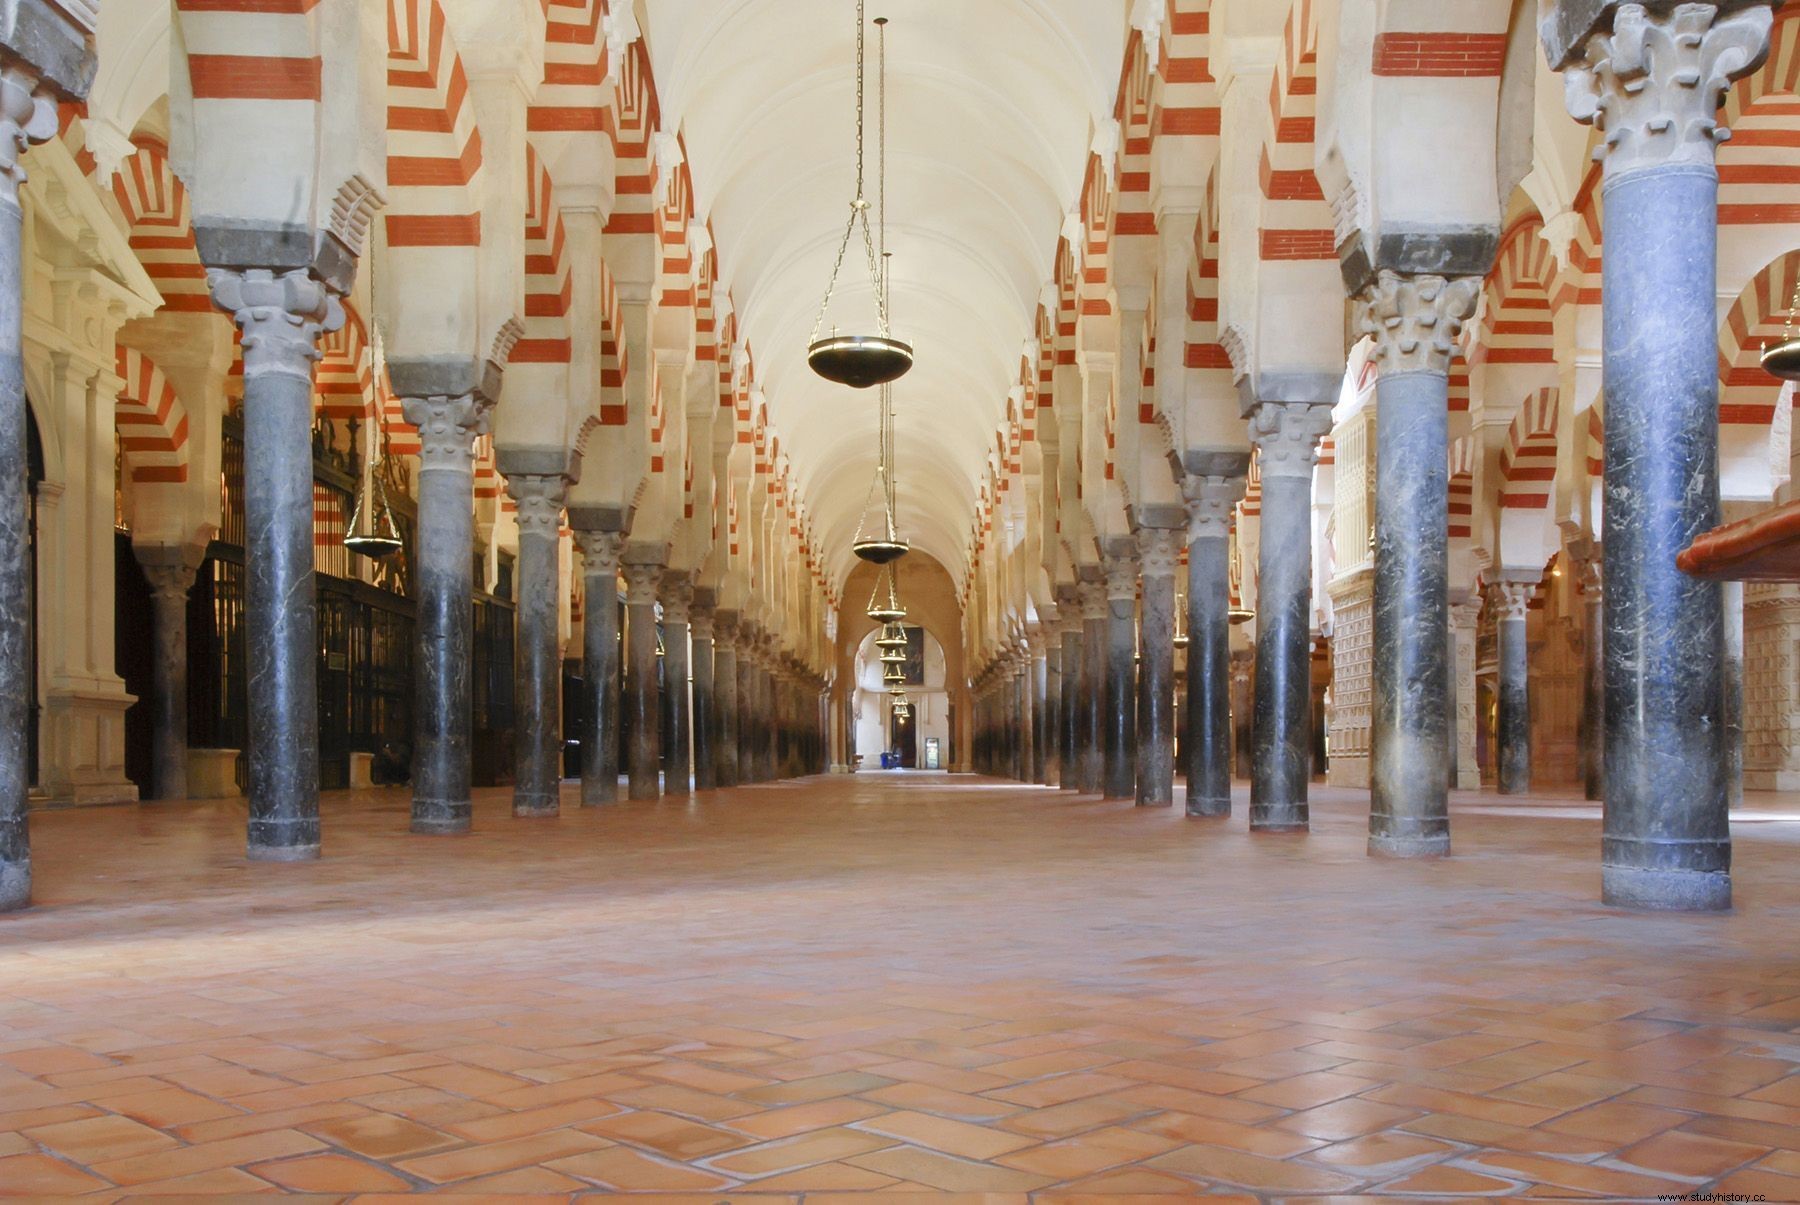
x=1352, y=643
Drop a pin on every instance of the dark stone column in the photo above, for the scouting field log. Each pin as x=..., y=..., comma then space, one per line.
x=1511, y=601
x=1415, y=321
x=28, y=114
x=643, y=761
x=1653, y=81
x=1038, y=687
x=1074, y=701
x=1120, y=714
x=677, y=596
x=281, y=316
x=171, y=573
x=749, y=714
x=1159, y=550
x=1593, y=680
x=725, y=692
x=1022, y=718
x=537, y=668
x=1733, y=595
x=1207, y=743
x=1287, y=440
x=600, y=552
x=444, y=589
x=1093, y=686
x=700, y=629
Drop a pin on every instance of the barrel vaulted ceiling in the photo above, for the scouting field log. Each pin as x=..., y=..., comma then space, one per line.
x=992, y=105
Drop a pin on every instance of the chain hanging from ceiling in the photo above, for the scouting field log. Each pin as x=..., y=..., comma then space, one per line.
x=861, y=361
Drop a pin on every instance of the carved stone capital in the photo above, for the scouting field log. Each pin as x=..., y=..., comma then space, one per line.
x=447, y=429
x=281, y=315
x=677, y=596
x=725, y=629
x=700, y=622
x=1511, y=600
x=1093, y=600
x=1286, y=435
x=1652, y=79
x=27, y=115
x=169, y=582
x=1121, y=578
x=600, y=551
x=539, y=498
x=1211, y=503
x=1415, y=320
x=641, y=581
x=1159, y=550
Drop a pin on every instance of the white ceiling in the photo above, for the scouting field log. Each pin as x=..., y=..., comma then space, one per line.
x=991, y=105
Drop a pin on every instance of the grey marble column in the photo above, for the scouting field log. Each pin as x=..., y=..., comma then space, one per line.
x=1023, y=720
x=1038, y=679
x=1092, y=732
x=1511, y=601
x=1053, y=725
x=765, y=685
x=444, y=589
x=1207, y=744
x=1074, y=701
x=1119, y=775
x=537, y=665
x=700, y=630
x=725, y=691
x=642, y=757
x=170, y=571
x=1653, y=82
x=1287, y=440
x=1159, y=551
x=600, y=551
x=281, y=316
x=1414, y=321
x=677, y=597
x=1733, y=595
x=1593, y=680
x=749, y=715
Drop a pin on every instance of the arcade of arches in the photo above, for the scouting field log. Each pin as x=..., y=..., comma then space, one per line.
x=1320, y=777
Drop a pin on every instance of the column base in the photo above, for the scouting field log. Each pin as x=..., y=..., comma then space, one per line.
x=1280, y=818
x=15, y=885
x=1210, y=809
x=1156, y=803
x=1410, y=847
x=537, y=805
x=1665, y=890
x=281, y=853
x=434, y=817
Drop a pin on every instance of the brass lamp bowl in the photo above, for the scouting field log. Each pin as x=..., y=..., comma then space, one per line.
x=375, y=545
x=860, y=361
x=1782, y=359
x=886, y=614
x=880, y=552
x=892, y=640
x=1240, y=615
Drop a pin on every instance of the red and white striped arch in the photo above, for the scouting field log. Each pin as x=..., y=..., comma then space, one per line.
x=1186, y=100
x=1528, y=463
x=157, y=219
x=635, y=120
x=1516, y=326
x=1208, y=364
x=1755, y=408
x=1296, y=223
x=151, y=421
x=344, y=381
x=1464, y=455
x=548, y=338
x=1096, y=245
x=1760, y=166
x=1133, y=110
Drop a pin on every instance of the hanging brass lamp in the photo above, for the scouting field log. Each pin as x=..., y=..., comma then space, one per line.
x=893, y=636
x=861, y=361
x=372, y=531
x=884, y=607
x=1181, y=627
x=893, y=675
x=882, y=543
x=893, y=656
x=1782, y=357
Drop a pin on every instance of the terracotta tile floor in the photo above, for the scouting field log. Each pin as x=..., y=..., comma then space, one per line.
x=890, y=984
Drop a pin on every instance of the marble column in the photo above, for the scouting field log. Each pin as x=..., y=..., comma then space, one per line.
x=1511, y=601
x=700, y=630
x=281, y=315
x=537, y=664
x=749, y=714
x=1038, y=678
x=1415, y=321
x=1733, y=708
x=1159, y=551
x=1652, y=80
x=1593, y=681
x=1287, y=440
x=1120, y=714
x=642, y=760
x=170, y=571
x=1092, y=732
x=1074, y=701
x=1465, y=614
x=766, y=723
x=1053, y=725
x=444, y=590
x=1207, y=743
x=725, y=692
x=600, y=551
x=677, y=597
